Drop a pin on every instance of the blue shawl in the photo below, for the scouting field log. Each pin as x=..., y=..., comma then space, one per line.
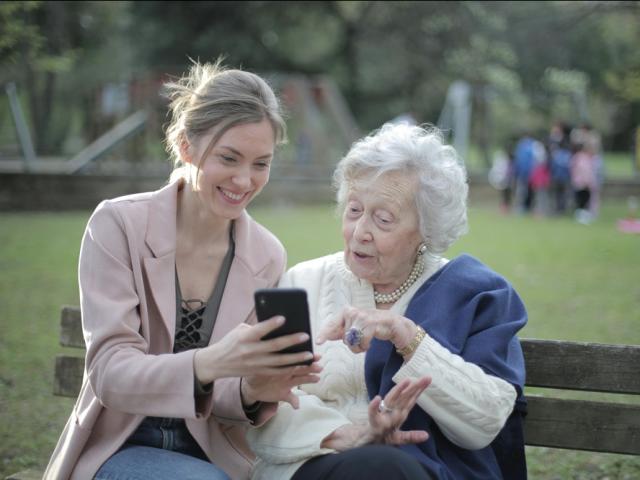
x=475, y=313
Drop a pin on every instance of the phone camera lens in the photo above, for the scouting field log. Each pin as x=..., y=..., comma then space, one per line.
x=262, y=301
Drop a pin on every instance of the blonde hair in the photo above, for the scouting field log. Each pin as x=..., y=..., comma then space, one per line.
x=211, y=96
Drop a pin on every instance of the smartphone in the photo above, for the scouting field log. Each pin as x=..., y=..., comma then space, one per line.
x=291, y=303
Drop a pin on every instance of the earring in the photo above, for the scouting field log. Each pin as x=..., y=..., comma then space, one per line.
x=422, y=249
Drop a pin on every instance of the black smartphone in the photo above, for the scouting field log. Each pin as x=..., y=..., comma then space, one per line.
x=291, y=303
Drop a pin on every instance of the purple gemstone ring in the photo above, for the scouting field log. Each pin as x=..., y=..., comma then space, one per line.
x=353, y=336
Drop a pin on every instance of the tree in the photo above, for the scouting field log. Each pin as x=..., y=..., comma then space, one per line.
x=43, y=47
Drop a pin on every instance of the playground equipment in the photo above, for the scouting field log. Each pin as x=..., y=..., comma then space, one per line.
x=21, y=126
x=321, y=129
x=455, y=117
x=106, y=142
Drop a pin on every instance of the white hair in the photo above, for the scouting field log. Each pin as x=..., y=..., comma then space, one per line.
x=420, y=152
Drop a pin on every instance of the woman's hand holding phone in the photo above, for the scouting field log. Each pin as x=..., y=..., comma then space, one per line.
x=276, y=388
x=272, y=356
x=243, y=353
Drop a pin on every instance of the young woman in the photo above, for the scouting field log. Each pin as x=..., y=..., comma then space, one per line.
x=174, y=372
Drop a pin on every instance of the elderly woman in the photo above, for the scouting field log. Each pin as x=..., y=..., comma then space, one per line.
x=417, y=317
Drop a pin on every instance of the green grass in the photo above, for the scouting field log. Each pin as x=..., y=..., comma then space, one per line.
x=578, y=282
x=620, y=165
x=38, y=257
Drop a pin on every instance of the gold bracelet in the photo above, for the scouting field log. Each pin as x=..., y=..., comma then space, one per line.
x=413, y=345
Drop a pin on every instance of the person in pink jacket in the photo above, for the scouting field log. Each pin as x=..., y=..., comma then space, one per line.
x=176, y=370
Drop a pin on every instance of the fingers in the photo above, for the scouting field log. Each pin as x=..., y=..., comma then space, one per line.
x=374, y=405
x=399, y=402
x=357, y=330
x=420, y=385
x=400, y=399
x=351, y=317
x=295, y=370
x=400, y=437
x=410, y=395
x=278, y=387
x=302, y=374
x=260, y=329
x=332, y=330
x=405, y=399
x=304, y=379
x=307, y=369
x=366, y=339
x=395, y=394
x=426, y=381
x=280, y=343
x=280, y=360
x=292, y=399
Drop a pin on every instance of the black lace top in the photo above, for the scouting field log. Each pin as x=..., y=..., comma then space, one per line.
x=195, y=318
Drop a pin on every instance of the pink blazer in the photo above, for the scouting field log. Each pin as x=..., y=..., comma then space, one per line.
x=128, y=301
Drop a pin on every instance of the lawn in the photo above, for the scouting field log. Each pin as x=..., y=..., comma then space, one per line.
x=578, y=282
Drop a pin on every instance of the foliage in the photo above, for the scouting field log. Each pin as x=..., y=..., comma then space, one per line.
x=19, y=36
x=528, y=62
x=58, y=52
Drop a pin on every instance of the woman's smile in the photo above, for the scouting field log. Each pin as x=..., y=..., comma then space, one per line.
x=231, y=197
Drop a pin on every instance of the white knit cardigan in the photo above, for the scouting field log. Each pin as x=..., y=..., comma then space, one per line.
x=469, y=406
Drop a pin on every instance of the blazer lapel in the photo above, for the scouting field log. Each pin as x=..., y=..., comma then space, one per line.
x=244, y=278
x=161, y=277
x=236, y=305
x=237, y=301
x=161, y=240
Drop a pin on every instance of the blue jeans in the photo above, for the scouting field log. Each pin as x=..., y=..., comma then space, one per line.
x=136, y=462
x=161, y=448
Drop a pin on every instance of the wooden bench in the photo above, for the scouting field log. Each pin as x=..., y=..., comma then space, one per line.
x=612, y=427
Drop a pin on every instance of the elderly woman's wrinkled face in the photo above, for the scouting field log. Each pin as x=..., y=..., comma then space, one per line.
x=381, y=229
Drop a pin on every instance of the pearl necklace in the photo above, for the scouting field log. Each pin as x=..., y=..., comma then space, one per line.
x=392, y=297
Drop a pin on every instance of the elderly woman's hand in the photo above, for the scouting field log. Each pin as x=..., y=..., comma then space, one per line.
x=385, y=420
x=381, y=324
x=386, y=417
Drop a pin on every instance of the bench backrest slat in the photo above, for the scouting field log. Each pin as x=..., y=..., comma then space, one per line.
x=71, y=328
x=582, y=366
x=583, y=425
x=68, y=376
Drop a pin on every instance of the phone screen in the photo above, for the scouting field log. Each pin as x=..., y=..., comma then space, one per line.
x=291, y=303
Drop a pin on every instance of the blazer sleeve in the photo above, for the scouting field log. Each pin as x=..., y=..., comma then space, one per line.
x=123, y=376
